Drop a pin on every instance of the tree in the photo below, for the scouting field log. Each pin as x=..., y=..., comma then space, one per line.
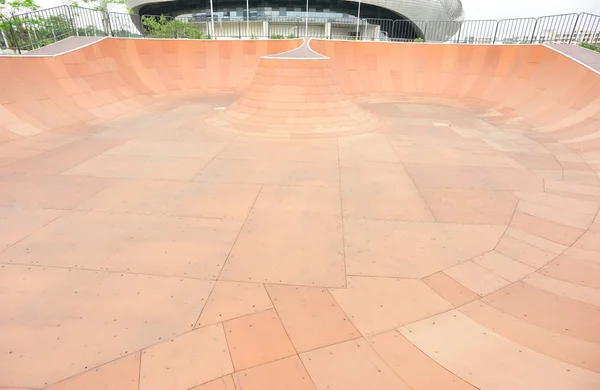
x=167, y=27
x=98, y=5
x=8, y=9
x=104, y=6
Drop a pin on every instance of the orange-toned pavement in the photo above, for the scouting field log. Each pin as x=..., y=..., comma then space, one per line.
x=209, y=215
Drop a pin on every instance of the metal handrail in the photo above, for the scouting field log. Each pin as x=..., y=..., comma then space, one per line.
x=38, y=28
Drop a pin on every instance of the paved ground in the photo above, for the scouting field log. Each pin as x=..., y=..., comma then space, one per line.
x=149, y=240
x=63, y=46
x=589, y=57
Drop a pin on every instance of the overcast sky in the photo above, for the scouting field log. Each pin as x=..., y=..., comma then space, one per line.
x=493, y=9
x=502, y=9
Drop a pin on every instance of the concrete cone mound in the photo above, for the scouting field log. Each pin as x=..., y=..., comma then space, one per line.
x=295, y=94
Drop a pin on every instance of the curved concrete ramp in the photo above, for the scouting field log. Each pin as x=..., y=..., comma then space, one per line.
x=149, y=240
x=526, y=86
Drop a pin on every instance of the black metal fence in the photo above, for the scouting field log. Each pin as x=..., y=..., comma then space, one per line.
x=32, y=30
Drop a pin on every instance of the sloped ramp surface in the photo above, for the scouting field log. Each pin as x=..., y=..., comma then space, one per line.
x=153, y=238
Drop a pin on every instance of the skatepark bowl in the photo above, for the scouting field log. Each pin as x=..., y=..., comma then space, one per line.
x=290, y=215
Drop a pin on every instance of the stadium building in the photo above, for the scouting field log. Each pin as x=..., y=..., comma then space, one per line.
x=379, y=19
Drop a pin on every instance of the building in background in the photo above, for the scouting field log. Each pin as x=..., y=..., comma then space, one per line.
x=380, y=19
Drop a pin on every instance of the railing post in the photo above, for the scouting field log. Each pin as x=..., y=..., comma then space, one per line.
x=496, y=31
x=72, y=19
x=12, y=32
x=534, y=28
x=574, y=29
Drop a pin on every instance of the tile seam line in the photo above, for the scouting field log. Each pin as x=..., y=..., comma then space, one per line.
x=106, y=271
x=342, y=214
x=88, y=370
x=152, y=345
x=33, y=232
x=522, y=280
x=228, y=255
x=423, y=352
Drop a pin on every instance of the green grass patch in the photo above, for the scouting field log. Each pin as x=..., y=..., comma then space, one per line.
x=590, y=47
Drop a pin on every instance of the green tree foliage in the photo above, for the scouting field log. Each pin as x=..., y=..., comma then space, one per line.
x=166, y=27
x=8, y=9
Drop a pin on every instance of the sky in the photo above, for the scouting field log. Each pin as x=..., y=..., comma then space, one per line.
x=489, y=9
x=504, y=9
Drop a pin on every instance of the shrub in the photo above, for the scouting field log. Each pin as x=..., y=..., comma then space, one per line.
x=419, y=40
x=291, y=36
x=590, y=47
x=276, y=36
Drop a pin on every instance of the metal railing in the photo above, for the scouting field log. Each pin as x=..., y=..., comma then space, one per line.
x=32, y=30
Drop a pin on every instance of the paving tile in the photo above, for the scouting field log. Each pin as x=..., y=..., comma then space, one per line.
x=536, y=241
x=563, y=217
x=524, y=252
x=160, y=245
x=64, y=322
x=381, y=191
x=563, y=288
x=375, y=305
x=504, y=266
x=315, y=173
x=412, y=249
x=484, y=178
x=450, y=289
x=470, y=206
x=448, y=156
x=61, y=158
x=257, y=339
x=547, y=310
x=476, y=278
x=574, y=269
x=482, y=357
x=559, y=202
x=120, y=374
x=17, y=223
x=417, y=369
x=567, y=349
x=352, y=365
x=48, y=192
x=280, y=150
x=288, y=374
x=590, y=240
x=209, y=200
x=559, y=233
x=188, y=360
x=311, y=317
x=293, y=235
x=366, y=147
x=230, y=300
x=202, y=150
x=586, y=192
x=139, y=167
x=223, y=383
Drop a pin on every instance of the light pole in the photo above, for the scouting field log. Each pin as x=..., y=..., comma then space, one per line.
x=247, y=19
x=212, y=19
x=357, y=20
x=306, y=28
